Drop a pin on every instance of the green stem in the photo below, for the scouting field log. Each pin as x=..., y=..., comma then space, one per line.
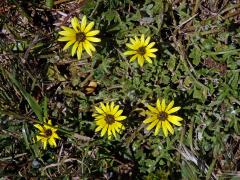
x=210, y=170
x=222, y=52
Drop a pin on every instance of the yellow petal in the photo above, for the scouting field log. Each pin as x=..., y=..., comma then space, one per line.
x=79, y=50
x=157, y=128
x=92, y=33
x=169, y=127
x=132, y=41
x=103, y=107
x=164, y=128
x=137, y=40
x=118, y=113
x=151, y=55
x=114, y=131
x=109, y=130
x=92, y=48
x=87, y=48
x=44, y=143
x=67, y=38
x=75, y=24
x=152, y=125
x=54, y=129
x=100, y=117
x=147, y=41
x=108, y=108
x=127, y=53
x=100, y=111
x=150, y=113
x=84, y=23
x=112, y=106
x=55, y=135
x=93, y=39
x=152, y=50
x=68, y=44
x=120, y=118
x=98, y=128
x=39, y=137
x=118, y=126
x=52, y=142
x=158, y=104
x=115, y=109
x=74, y=48
x=173, y=110
x=163, y=105
x=110, y=137
x=39, y=127
x=151, y=45
x=95, y=114
x=104, y=130
x=67, y=33
x=148, y=59
x=130, y=46
x=134, y=57
x=101, y=122
x=140, y=60
x=89, y=27
x=150, y=119
x=170, y=105
x=142, y=39
x=68, y=29
x=175, y=120
x=152, y=109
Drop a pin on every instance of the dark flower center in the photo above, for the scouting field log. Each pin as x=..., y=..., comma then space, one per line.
x=162, y=116
x=81, y=37
x=48, y=132
x=141, y=50
x=110, y=119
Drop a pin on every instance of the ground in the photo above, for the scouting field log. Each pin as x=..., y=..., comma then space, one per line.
x=196, y=65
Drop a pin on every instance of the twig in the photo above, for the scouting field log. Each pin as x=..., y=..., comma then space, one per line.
x=16, y=156
x=35, y=40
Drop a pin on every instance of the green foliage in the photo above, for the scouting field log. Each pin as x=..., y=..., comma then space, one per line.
x=197, y=66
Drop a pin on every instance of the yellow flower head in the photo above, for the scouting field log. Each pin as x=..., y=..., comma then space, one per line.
x=141, y=49
x=161, y=116
x=80, y=36
x=108, y=119
x=47, y=134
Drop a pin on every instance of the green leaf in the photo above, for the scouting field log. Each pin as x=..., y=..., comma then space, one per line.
x=49, y=3
x=196, y=55
x=25, y=133
x=45, y=108
x=31, y=101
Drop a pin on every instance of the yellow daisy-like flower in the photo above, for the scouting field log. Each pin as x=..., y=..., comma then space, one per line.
x=141, y=49
x=47, y=134
x=108, y=119
x=161, y=116
x=80, y=36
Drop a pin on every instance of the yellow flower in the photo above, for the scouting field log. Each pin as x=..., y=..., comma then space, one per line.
x=108, y=119
x=141, y=50
x=80, y=36
x=161, y=116
x=47, y=134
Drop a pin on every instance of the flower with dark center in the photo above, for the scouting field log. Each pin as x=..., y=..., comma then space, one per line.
x=161, y=116
x=80, y=37
x=47, y=134
x=108, y=119
x=141, y=49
